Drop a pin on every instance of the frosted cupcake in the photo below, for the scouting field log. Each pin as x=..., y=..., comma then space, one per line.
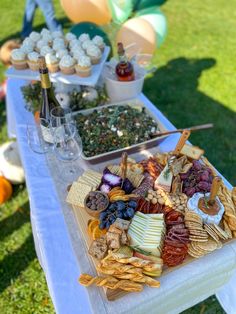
x=45, y=31
x=48, y=38
x=83, y=37
x=98, y=41
x=27, y=48
x=28, y=41
x=52, y=62
x=61, y=53
x=32, y=61
x=35, y=36
x=44, y=50
x=87, y=43
x=58, y=44
x=74, y=42
x=18, y=59
x=57, y=34
x=94, y=53
x=67, y=65
x=77, y=53
x=69, y=37
x=40, y=44
x=83, y=67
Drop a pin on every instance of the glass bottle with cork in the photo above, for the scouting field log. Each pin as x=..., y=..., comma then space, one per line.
x=124, y=68
x=49, y=100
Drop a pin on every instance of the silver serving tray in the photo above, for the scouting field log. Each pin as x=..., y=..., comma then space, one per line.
x=135, y=103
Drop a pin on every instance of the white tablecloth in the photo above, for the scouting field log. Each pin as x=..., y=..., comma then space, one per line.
x=61, y=251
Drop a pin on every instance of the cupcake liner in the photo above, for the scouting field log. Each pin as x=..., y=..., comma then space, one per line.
x=83, y=72
x=19, y=65
x=34, y=66
x=70, y=70
x=95, y=60
x=53, y=68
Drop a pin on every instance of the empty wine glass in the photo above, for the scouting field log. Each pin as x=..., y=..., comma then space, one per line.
x=67, y=148
x=59, y=116
x=35, y=138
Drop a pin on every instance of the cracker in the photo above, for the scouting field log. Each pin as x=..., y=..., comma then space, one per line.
x=77, y=194
x=211, y=233
x=221, y=233
x=208, y=246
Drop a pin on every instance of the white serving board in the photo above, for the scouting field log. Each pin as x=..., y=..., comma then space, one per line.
x=62, y=78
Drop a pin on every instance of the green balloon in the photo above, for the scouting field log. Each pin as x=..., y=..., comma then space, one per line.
x=158, y=21
x=91, y=29
x=120, y=10
x=143, y=4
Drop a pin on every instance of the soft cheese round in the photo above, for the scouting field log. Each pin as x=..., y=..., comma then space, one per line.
x=192, y=205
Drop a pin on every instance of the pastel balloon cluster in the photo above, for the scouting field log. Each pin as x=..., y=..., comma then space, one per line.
x=146, y=30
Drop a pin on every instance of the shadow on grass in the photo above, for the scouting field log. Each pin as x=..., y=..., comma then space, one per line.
x=14, y=263
x=63, y=21
x=14, y=221
x=174, y=90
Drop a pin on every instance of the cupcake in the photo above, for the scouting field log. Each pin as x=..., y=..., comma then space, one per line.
x=74, y=42
x=27, y=48
x=28, y=41
x=44, y=50
x=61, y=53
x=69, y=37
x=98, y=41
x=87, y=43
x=45, y=31
x=67, y=65
x=41, y=43
x=52, y=62
x=58, y=44
x=83, y=37
x=83, y=67
x=32, y=61
x=34, y=36
x=18, y=59
x=78, y=53
x=94, y=53
x=57, y=34
x=48, y=38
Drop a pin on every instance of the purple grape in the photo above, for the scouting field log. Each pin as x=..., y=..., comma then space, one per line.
x=190, y=191
x=184, y=176
x=197, y=165
x=203, y=185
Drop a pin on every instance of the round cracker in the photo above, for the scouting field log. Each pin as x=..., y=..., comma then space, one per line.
x=208, y=246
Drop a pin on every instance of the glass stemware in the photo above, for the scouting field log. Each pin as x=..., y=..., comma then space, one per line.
x=35, y=138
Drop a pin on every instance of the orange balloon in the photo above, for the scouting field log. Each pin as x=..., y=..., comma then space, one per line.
x=95, y=11
x=138, y=36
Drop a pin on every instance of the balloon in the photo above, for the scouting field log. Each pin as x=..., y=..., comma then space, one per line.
x=95, y=11
x=140, y=33
x=91, y=29
x=143, y=4
x=120, y=10
x=158, y=21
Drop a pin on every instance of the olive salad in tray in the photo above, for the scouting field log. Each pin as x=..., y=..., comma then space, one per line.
x=115, y=127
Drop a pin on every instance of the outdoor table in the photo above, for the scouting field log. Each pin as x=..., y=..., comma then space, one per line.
x=61, y=250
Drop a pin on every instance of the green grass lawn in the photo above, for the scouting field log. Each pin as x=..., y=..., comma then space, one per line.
x=195, y=83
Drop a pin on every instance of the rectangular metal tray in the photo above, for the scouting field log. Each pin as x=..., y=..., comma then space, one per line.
x=135, y=103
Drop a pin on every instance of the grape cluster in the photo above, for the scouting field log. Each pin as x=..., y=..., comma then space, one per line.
x=119, y=209
x=197, y=179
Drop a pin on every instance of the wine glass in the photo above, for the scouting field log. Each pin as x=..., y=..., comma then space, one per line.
x=59, y=116
x=67, y=148
x=36, y=140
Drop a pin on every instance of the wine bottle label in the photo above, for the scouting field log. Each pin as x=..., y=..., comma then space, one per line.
x=46, y=134
x=45, y=81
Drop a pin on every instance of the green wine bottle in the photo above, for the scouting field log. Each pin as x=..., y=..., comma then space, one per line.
x=49, y=101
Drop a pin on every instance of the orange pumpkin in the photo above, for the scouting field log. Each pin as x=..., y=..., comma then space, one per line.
x=5, y=190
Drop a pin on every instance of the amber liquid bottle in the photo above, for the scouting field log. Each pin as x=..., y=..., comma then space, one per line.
x=124, y=68
x=49, y=100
